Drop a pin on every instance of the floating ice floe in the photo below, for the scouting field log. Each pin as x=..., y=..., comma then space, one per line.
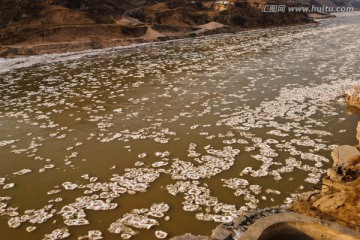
x=73, y=155
x=138, y=218
x=199, y=196
x=14, y=222
x=38, y=216
x=70, y=186
x=22, y=172
x=76, y=222
x=162, y=154
x=118, y=110
x=256, y=189
x=60, y=233
x=2, y=181
x=235, y=183
x=313, y=178
x=221, y=161
x=99, y=205
x=158, y=210
x=92, y=235
x=138, y=221
x=115, y=136
x=30, y=229
x=8, y=186
x=7, y=142
x=215, y=218
x=242, y=141
x=160, y=234
x=159, y=164
x=272, y=191
x=119, y=228
x=277, y=133
x=53, y=192
x=49, y=166
x=142, y=155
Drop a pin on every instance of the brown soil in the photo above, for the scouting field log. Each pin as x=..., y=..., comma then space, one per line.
x=53, y=26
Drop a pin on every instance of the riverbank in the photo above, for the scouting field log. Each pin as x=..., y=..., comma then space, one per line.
x=58, y=28
x=140, y=35
x=150, y=36
x=335, y=203
x=337, y=200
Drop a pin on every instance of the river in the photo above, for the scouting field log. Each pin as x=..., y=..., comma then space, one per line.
x=175, y=137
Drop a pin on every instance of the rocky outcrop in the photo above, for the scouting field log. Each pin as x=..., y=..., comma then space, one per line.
x=352, y=97
x=342, y=155
x=337, y=202
x=296, y=226
x=338, y=199
x=358, y=132
x=241, y=224
x=235, y=229
x=55, y=26
x=189, y=236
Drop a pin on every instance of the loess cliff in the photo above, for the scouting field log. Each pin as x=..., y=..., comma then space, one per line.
x=50, y=26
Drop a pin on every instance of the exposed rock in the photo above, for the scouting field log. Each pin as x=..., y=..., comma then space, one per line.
x=343, y=154
x=295, y=226
x=338, y=199
x=189, y=236
x=56, y=26
x=358, y=132
x=332, y=174
x=220, y=233
x=234, y=229
x=353, y=97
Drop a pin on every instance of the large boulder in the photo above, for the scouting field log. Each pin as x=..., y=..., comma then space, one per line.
x=342, y=155
x=221, y=233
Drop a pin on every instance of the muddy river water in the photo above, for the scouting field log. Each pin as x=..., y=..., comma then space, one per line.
x=158, y=140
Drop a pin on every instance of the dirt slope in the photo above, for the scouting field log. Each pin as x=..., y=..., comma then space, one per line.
x=51, y=26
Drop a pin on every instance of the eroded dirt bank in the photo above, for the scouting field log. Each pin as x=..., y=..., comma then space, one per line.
x=63, y=26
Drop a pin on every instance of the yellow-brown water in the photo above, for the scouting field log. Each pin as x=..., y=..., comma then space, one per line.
x=99, y=113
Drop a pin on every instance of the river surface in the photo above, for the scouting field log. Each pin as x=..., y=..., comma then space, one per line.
x=173, y=137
